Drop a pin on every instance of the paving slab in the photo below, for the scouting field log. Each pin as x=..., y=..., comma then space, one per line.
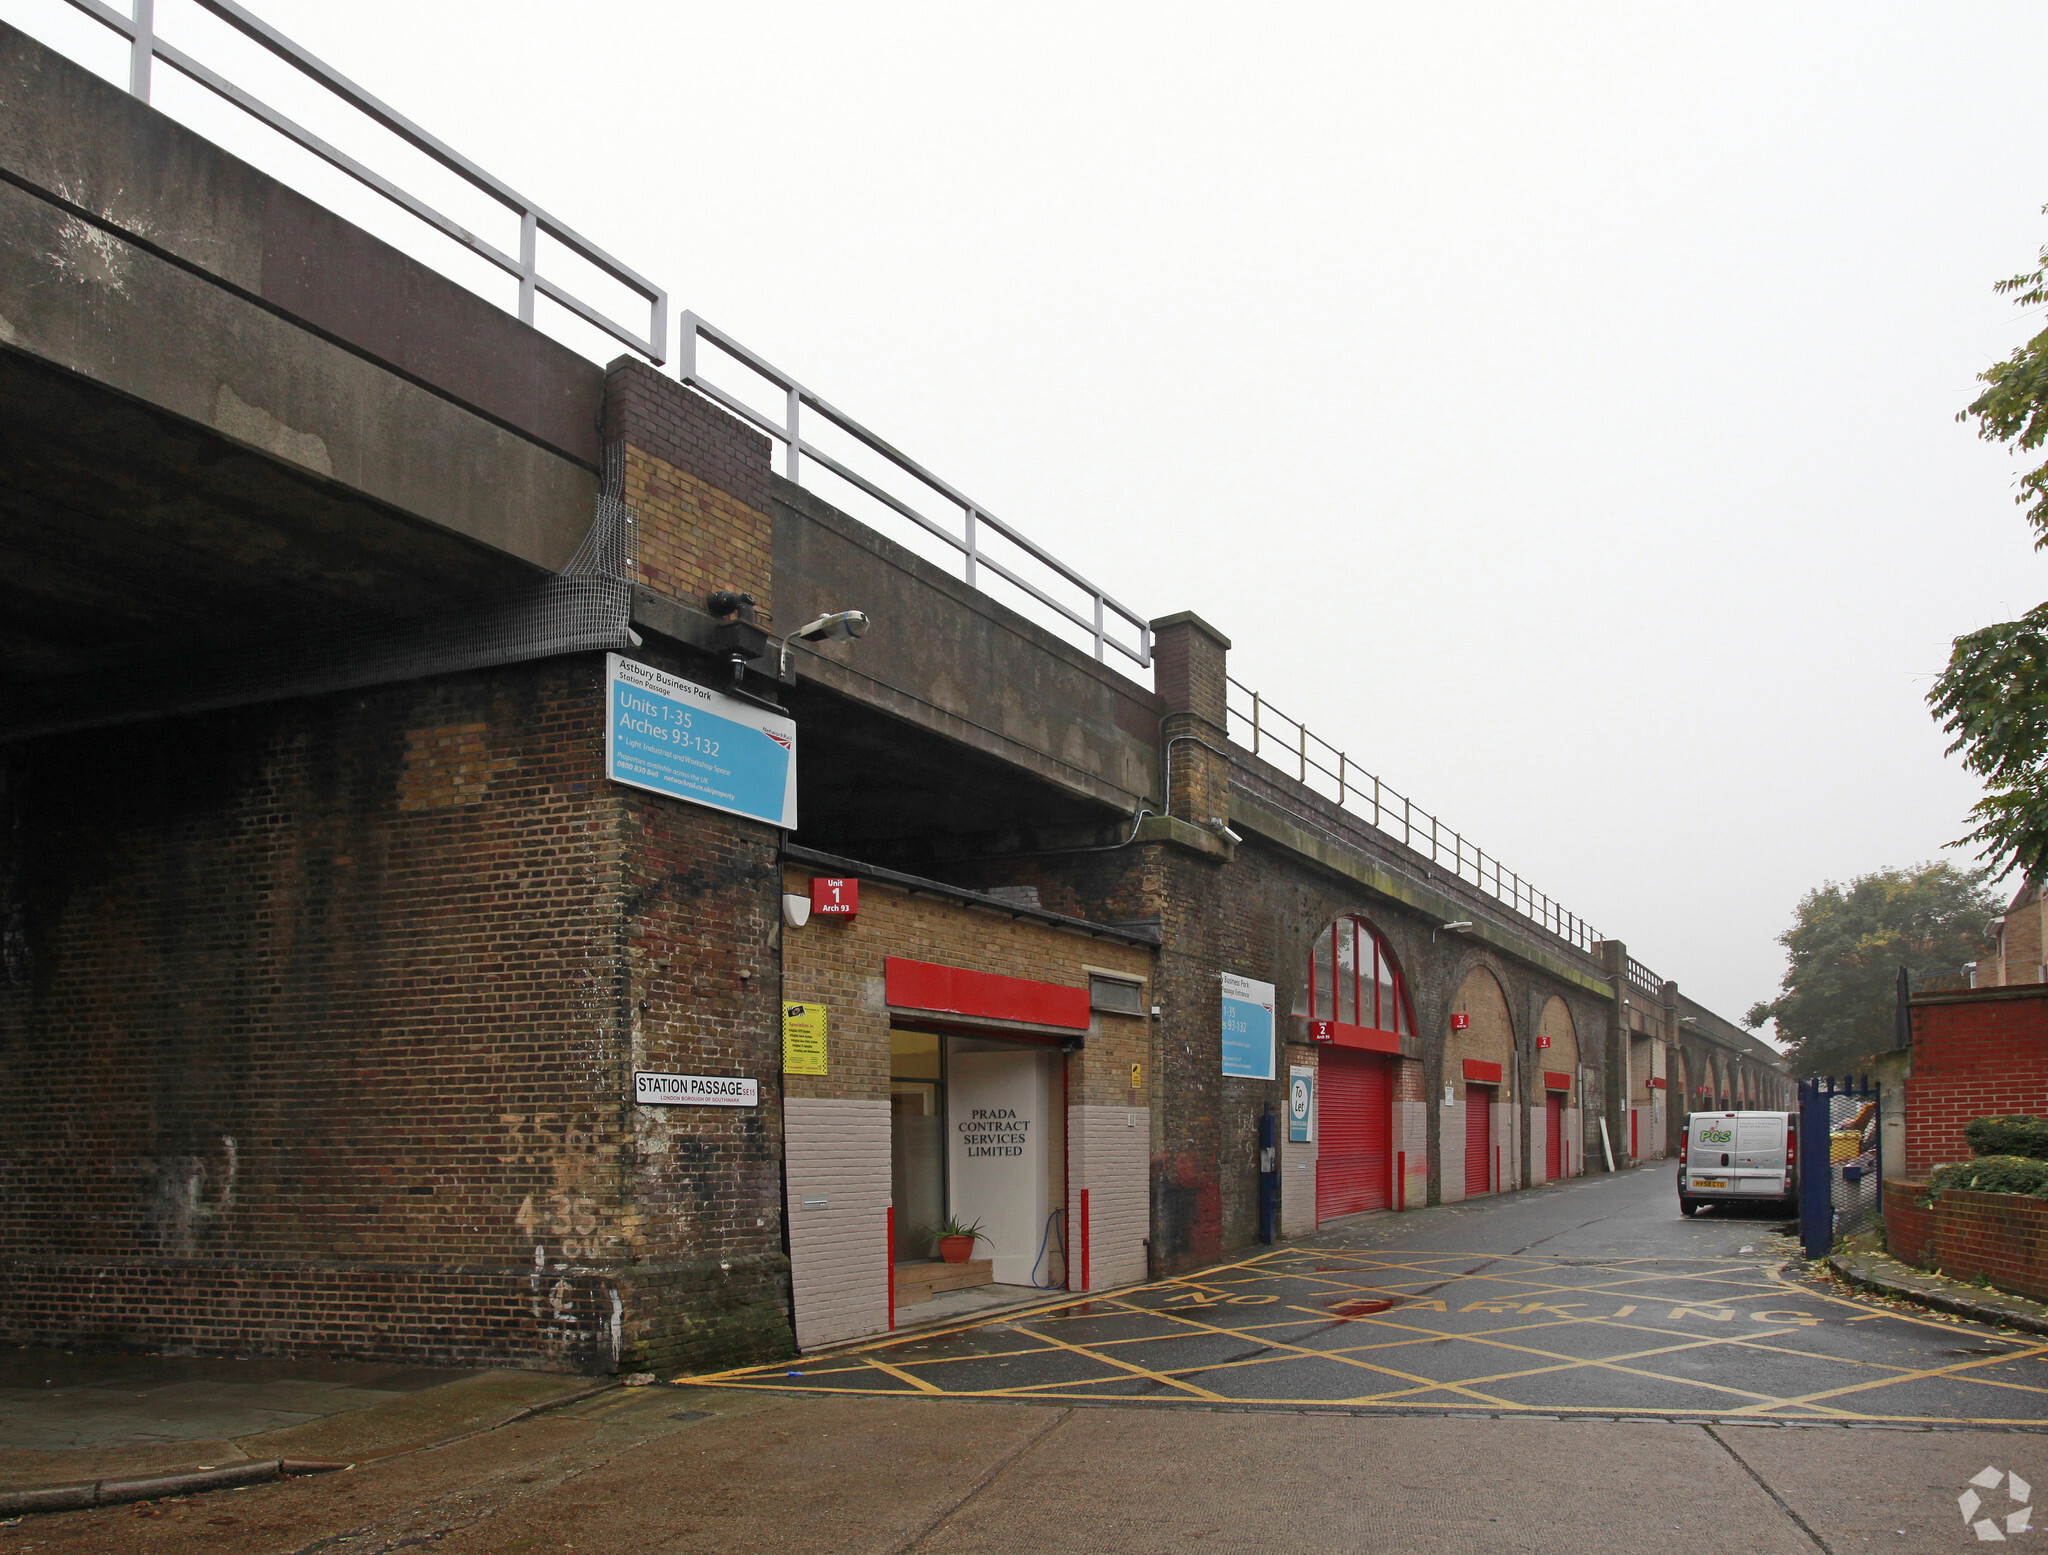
x=75, y=1419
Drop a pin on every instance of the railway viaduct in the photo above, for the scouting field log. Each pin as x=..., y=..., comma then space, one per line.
x=334, y=945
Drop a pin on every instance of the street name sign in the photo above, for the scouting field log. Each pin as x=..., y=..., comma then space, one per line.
x=695, y=1090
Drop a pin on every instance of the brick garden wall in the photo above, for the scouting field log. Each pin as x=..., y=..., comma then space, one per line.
x=2002, y=1237
x=1976, y=1053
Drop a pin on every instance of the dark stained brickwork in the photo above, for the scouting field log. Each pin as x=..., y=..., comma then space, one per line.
x=325, y=1039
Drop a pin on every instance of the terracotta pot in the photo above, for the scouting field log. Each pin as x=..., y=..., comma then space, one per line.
x=956, y=1249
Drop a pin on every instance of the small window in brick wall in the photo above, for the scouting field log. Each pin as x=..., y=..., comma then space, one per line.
x=1116, y=996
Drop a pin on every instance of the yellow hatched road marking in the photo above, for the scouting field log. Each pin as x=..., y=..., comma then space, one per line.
x=898, y=1372
x=1136, y=1371
x=1301, y=1350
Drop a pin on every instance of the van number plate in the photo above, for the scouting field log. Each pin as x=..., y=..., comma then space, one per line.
x=1710, y=1182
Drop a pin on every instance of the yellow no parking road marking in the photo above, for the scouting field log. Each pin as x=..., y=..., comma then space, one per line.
x=1722, y=1290
x=1140, y=1371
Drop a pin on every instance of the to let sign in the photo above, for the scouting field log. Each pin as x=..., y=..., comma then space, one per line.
x=835, y=898
x=695, y=1090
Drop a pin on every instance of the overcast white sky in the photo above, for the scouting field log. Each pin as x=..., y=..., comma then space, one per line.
x=1554, y=402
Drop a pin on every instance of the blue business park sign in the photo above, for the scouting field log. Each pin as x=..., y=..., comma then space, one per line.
x=675, y=737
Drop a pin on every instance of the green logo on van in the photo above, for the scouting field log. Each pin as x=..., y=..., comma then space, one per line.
x=1717, y=1136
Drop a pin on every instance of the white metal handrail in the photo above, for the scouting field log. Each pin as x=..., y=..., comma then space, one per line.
x=1102, y=615
x=145, y=47
x=1643, y=978
x=1285, y=742
x=789, y=433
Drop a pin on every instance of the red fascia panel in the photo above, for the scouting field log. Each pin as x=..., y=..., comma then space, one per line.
x=1556, y=1080
x=1481, y=1073
x=925, y=985
x=1337, y=1034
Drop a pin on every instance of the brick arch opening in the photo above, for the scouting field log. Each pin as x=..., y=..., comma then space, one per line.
x=1355, y=997
x=1556, y=1108
x=1477, y=1124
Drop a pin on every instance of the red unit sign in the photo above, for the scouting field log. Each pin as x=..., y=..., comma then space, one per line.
x=835, y=898
x=1461, y=1023
x=1322, y=1031
x=1542, y=1040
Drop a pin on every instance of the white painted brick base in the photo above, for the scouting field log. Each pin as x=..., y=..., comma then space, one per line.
x=1109, y=1153
x=838, y=1256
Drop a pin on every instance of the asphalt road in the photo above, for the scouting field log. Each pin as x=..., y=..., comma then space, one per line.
x=1588, y=1299
x=1395, y=1394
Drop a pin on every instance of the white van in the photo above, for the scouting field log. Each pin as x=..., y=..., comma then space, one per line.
x=1739, y=1158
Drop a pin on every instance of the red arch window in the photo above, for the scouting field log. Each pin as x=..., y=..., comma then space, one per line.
x=1354, y=981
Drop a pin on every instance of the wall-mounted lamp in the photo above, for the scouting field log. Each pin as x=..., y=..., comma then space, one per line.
x=1461, y=924
x=827, y=628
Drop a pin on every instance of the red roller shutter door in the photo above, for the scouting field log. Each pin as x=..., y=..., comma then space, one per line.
x=1354, y=1127
x=1553, y=1136
x=1478, y=1139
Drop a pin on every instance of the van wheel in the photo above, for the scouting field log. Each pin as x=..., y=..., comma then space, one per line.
x=1688, y=1207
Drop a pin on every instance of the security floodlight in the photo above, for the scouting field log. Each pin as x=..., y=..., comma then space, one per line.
x=827, y=628
x=840, y=623
x=1462, y=923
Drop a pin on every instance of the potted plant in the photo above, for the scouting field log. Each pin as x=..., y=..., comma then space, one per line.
x=956, y=1242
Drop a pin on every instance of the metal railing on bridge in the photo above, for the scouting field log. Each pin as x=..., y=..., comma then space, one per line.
x=1029, y=578
x=985, y=547
x=1295, y=749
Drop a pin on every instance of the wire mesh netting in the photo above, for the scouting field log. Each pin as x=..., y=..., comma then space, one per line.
x=1852, y=1161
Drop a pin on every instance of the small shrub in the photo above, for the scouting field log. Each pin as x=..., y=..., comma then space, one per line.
x=1992, y=1174
x=2014, y=1135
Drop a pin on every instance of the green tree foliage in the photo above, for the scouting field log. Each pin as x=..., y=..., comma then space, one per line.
x=1993, y=697
x=2014, y=408
x=1846, y=946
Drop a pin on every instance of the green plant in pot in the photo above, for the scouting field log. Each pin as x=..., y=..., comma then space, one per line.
x=955, y=1241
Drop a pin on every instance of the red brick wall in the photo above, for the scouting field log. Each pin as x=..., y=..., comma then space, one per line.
x=2001, y=1236
x=1908, y=1225
x=1976, y=1053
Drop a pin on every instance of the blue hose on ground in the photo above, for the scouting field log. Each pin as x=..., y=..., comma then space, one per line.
x=1055, y=1233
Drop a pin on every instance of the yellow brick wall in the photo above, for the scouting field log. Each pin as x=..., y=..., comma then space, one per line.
x=1563, y=1052
x=840, y=965
x=1490, y=1037
x=690, y=538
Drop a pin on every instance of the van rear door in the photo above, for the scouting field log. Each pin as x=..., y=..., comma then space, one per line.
x=1709, y=1158
x=1760, y=1154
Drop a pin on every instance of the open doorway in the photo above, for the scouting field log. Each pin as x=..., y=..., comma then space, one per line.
x=977, y=1136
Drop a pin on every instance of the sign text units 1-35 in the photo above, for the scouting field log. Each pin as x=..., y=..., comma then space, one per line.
x=675, y=737
x=1247, y=1027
